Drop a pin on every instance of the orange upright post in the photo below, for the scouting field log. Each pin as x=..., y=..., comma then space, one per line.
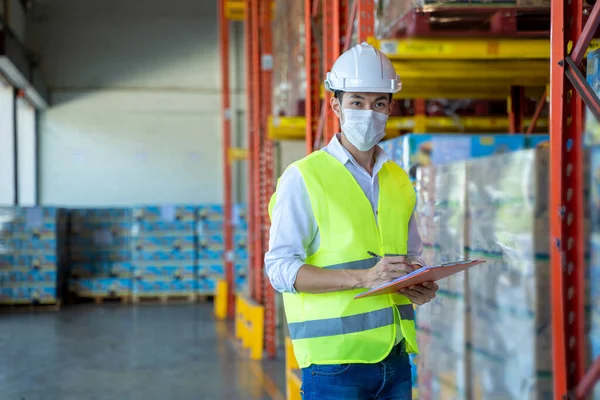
x=254, y=189
x=226, y=127
x=267, y=182
x=313, y=72
x=567, y=88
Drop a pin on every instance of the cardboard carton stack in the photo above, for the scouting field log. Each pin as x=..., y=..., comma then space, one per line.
x=31, y=255
x=509, y=296
x=240, y=246
x=211, y=247
x=164, y=255
x=100, y=252
x=442, y=324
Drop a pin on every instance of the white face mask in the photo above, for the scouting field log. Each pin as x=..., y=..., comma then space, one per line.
x=364, y=128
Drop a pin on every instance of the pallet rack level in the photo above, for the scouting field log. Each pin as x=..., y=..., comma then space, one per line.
x=294, y=128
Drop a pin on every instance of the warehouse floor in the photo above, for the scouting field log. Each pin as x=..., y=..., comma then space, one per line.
x=128, y=353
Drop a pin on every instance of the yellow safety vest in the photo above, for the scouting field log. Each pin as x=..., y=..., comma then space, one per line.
x=333, y=328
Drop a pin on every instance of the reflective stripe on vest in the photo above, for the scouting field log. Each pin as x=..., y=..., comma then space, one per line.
x=334, y=328
x=350, y=324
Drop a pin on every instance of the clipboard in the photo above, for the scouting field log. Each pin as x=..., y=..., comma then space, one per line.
x=421, y=275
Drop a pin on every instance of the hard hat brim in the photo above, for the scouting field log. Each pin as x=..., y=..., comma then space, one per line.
x=332, y=83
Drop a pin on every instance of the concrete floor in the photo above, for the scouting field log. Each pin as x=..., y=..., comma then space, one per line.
x=146, y=352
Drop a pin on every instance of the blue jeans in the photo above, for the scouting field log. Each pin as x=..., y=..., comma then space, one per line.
x=389, y=379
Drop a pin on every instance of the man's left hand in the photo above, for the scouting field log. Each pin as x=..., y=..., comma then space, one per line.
x=420, y=294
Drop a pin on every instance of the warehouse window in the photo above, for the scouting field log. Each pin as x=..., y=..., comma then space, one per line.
x=26, y=153
x=7, y=145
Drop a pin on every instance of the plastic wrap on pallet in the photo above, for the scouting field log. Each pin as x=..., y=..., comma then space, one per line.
x=592, y=126
x=420, y=150
x=593, y=271
x=509, y=296
x=100, y=251
x=442, y=323
x=289, y=73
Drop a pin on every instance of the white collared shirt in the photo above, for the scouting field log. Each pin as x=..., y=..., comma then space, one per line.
x=294, y=233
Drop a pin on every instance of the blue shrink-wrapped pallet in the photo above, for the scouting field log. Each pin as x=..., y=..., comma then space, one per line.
x=100, y=252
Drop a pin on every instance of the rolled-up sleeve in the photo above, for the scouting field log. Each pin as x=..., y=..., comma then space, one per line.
x=293, y=228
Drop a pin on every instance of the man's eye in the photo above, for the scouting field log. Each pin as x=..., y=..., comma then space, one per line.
x=380, y=105
x=356, y=103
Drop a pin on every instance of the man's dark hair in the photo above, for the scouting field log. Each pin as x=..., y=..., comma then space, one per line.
x=339, y=94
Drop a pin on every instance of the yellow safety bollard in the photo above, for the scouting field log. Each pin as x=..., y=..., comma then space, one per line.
x=293, y=374
x=256, y=331
x=239, y=317
x=220, y=309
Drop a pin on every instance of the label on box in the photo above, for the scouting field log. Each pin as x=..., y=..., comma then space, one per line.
x=34, y=217
x=103, y=237
x=167, y=212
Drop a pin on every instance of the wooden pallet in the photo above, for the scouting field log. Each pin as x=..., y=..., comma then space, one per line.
x=203, y=298
x=466, y=21
x=111, y=299
x=75, y=298
x=164, y=299
x=18, y=308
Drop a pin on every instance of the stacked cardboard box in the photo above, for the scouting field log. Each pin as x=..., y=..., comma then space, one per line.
x=31, y=255
x=211, y=247
x=240, y=246
x=100, y=252
x=442, y=324
x=509, y=296
x=164, y=256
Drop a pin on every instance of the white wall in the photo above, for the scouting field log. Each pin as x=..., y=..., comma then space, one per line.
x=7, y=144
x=136, y=101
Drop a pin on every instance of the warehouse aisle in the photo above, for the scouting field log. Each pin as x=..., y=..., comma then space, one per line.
x=127, y=353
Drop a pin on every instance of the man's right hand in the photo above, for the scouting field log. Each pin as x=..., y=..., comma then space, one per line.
x=386, y=270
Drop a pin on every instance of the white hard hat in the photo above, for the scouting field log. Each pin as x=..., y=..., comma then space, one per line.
x=363, y=68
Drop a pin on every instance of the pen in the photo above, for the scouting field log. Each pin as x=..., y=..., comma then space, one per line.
x=373, y=255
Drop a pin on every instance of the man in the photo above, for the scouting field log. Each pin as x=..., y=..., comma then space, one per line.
x=342, y=221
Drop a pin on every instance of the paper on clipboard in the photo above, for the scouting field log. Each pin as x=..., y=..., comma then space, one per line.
x=422, y=275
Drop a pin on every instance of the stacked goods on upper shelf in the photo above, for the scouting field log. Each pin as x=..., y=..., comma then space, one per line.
x=593, y=273
x=32, y=255
x=164, y=255
x=442, y=324
x=421, y=150
x=100, y=252
x=509, y=296
x=491, y=17
x=289, y=75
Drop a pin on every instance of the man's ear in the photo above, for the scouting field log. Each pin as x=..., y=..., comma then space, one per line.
x=335, y=106
x=392, y=104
